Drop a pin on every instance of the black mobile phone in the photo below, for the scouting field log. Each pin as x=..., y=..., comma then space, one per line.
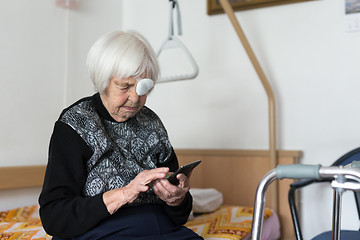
x=186, y=169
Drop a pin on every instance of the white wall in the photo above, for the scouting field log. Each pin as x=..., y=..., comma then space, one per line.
x=43, y=50
x=31, y=62
x=308, y=57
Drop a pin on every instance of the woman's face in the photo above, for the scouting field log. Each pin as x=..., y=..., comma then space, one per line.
x=121, y=100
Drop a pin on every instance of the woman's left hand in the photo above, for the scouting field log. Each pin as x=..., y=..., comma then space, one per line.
x=171, y=194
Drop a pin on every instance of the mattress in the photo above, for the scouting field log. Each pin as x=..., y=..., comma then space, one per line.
x=227, y=222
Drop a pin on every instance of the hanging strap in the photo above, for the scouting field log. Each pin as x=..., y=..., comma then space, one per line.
x=174, y=4
x=173, y=42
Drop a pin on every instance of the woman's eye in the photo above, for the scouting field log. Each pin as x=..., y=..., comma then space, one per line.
x=123, y=87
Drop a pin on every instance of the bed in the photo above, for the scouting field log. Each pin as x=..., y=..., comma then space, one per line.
x=233, y=173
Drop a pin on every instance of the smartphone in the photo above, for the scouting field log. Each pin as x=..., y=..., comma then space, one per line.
x=186, y=169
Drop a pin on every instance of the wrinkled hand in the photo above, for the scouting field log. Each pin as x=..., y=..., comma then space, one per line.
x=142, y=181
x=116, y=198
x=171, y=194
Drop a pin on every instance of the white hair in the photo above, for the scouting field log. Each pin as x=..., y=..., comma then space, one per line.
x=121, y=54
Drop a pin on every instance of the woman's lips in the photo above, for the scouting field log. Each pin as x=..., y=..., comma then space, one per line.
x=130, y=108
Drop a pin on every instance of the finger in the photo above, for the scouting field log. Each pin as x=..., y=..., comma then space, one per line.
x=153, y=174
x=143, y=188
x=183, y=181
x=161, y=185
x=182, y=178
x=160, y=170
x=161, y=188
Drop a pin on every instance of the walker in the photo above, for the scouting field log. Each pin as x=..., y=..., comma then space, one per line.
x=343, y=178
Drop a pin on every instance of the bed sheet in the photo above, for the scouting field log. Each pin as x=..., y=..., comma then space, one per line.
x=234, y=222
x=228, y=222
x=22, y=223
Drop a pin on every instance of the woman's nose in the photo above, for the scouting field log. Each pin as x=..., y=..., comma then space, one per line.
x=133, y=96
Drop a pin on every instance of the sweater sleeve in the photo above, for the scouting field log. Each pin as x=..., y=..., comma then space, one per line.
x=180, y=214
x=64, y=211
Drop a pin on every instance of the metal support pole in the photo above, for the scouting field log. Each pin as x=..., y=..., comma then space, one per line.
x=270, y=94
x=336, y=224
x=259, y=205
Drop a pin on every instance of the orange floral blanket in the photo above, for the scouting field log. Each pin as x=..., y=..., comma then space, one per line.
x=22, y=223
x=228, y=222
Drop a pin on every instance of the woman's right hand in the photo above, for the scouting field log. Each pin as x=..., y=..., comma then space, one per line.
x=116, y=198
x=142, y=181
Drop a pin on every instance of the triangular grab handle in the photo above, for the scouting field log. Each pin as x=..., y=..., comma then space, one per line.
x=174, y=42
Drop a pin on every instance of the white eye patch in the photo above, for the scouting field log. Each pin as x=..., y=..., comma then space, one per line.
x=144, y=86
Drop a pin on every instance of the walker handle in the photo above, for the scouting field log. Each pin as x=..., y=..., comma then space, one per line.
x=298, y=171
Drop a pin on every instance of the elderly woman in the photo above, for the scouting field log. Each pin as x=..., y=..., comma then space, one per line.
x=109, y=155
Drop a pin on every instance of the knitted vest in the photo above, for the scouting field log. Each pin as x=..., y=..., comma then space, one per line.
x=120, y=150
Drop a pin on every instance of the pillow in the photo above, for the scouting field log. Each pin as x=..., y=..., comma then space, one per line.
x=206, y=200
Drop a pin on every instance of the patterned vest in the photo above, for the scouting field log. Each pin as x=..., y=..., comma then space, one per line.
x=120, y=150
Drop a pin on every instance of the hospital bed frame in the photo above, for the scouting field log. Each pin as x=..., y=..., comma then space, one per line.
x=235, y=173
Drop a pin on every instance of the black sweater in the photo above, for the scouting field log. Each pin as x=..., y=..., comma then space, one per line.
x=66, y=208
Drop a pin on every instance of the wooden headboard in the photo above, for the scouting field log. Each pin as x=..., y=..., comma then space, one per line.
x=21, y=177
x=235, y=173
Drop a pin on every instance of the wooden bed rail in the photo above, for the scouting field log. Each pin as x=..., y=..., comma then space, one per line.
x=33, y=176
x=21, y=177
